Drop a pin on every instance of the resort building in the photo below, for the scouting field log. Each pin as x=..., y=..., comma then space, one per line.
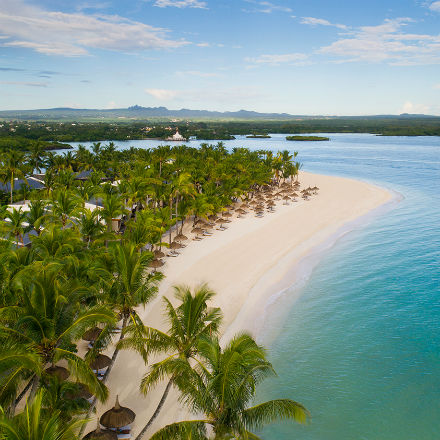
x=176, y=137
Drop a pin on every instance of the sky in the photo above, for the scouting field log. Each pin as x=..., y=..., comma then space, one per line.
x=315, y=57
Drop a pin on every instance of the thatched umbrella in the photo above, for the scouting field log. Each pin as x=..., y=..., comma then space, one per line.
x=156, y=263
x=158, y=254
x=212, y=217
x=286, y=199
x=92, y=334
x=180, y=237
x=118, y=416
x=270, y=203
x=82, y=393
x=174, y=245
x=60, y=373
x=220, y=221
x=101, y=361
x=227, y=214
x=197, y=230
x=101, y=434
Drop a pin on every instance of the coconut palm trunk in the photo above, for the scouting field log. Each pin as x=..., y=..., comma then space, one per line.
x=106, y=375
x=157, y=410
x=12, y=187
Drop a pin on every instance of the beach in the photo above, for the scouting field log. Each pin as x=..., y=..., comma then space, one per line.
x=246, y=264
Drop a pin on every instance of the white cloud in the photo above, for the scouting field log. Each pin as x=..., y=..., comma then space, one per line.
x=74, y=34
x=266, y=7
x=162, y=94
x=312, y=21
x=387, y=43
x=411, y=108
x=181, y=4
x=276, y=59
x=435, y=6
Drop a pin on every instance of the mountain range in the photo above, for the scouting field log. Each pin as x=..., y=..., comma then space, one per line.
x=140, y=113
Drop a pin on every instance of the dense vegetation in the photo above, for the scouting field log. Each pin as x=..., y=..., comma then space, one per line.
x=21, y=135
x=307, y=138
x=80, y=271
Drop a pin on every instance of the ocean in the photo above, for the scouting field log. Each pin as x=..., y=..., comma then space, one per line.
x=360, y=347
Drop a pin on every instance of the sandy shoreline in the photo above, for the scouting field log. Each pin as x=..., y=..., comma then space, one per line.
x=245, y=265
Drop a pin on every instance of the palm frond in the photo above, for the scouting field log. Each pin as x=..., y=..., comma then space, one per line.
x=268, y=412
x=187, y=430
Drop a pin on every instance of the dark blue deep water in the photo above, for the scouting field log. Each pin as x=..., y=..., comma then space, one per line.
x=361, y=347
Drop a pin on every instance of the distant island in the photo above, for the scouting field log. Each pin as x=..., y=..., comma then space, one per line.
x=307, y=138
x=258, y=136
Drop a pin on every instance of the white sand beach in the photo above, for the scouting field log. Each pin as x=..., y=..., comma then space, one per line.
x=245, y=264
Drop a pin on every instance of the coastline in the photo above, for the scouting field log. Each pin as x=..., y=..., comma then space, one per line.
x=249, y=265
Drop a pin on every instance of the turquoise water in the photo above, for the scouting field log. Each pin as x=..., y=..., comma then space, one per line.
x=361, y=347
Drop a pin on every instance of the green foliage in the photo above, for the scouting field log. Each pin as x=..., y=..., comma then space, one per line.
x=307, y=138
x=93, y=230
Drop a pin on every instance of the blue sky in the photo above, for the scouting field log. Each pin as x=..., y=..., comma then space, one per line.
x=316, y=57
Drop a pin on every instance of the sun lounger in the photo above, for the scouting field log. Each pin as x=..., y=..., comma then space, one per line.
x=197, y=238
x=171, y=254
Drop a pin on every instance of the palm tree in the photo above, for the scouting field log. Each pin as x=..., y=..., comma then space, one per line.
x=48, y=317
x=85, y=191
x=191, y=320
x=130, y=286
x=112, y=208
x=63, y=397
x=161, y=154
x=200, y=207
x=15, y=224
x=12, y=167
x=37, y=156
x=49, y=181
x=21, y=364
x=128, y=289
x=34, y=424
x=63, y=206
x=90, y=226
x=222, y=386
x=55, y=243
x=35, y=215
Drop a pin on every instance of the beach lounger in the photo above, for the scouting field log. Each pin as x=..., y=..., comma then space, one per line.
x=173, y=254
x=197, y=238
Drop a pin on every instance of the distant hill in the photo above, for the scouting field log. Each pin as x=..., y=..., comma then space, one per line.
x=136, y=113
x=139, y=113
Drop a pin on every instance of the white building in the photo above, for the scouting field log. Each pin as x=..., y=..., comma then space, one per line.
x=176, y=137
